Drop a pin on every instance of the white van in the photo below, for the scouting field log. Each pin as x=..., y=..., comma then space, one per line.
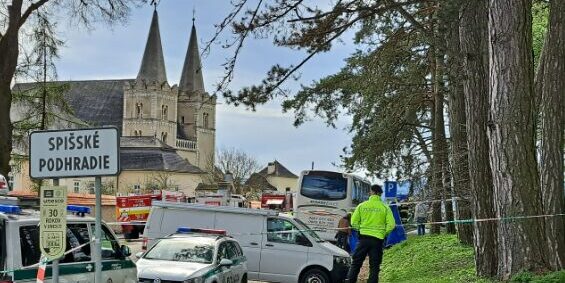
x=278, y=247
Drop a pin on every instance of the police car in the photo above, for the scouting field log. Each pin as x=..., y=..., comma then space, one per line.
x=193, y=256
x=20, y=253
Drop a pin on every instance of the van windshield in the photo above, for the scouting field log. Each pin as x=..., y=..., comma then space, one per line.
x=182, y=250
x=308, y=230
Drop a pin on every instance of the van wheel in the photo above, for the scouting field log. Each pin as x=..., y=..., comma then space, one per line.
x=315, y=275
x=244, y=279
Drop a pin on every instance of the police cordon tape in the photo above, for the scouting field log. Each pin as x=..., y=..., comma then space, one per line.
x=40, y=260
x=461, y=221
x=466, y=221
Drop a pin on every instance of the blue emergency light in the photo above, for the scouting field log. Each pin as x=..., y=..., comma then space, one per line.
x=78, y=209
x=187, y=230
x=11, y=209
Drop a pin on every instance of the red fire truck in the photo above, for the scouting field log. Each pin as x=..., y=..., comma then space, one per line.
x=274, y=201
x=135, y=210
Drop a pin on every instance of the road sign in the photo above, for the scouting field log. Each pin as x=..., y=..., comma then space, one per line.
x=74, y=153
x=53, y=221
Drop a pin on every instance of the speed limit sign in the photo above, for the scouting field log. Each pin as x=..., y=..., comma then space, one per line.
x=53, y=223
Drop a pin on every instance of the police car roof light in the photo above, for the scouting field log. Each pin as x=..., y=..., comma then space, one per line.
x=11, y=209
x=185, y=230
x=78, y=209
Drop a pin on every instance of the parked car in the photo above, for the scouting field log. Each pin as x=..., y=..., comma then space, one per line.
x=195, y=256
x=19, y=246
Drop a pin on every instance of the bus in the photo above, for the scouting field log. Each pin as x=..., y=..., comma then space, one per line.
x=324, y=197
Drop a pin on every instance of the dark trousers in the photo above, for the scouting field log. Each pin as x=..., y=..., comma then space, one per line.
x=342, y=242
x=367, y=246
x=421, y=226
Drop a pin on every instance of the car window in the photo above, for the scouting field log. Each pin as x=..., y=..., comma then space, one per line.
x=77, y=235
x=282, y=231
x=110, y=246
x=222, y=252
x=233, y=250
x=181, y=250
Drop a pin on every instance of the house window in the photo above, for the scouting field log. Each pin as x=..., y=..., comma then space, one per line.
x=76, y=186
x=176, y=188
x=139, y=110
x=136, y=189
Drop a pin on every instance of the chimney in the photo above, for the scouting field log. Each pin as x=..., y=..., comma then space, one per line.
x=271, y=168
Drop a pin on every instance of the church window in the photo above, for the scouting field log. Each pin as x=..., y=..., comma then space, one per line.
x=139, y=110
x=164, y=112
x=205, y=116
x=182, y=119
x=140, y=133
x=164, y=137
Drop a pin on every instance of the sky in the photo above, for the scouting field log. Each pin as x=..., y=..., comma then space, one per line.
x=267, y=134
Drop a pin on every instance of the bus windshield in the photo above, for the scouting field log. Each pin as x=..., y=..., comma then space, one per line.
x=324, y=186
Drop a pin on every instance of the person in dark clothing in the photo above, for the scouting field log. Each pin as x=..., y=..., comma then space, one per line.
x=374, y=221
x=343, y=232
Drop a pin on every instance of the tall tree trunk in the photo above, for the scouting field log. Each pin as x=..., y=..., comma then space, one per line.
x=552, y=128
x=522, y=244
x=457, y=125
x=447, y=188
x=437, y=136
x=473, y=35
x=8, y=62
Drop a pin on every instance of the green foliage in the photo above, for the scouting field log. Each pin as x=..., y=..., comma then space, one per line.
x=527, y=277
x=540, y=17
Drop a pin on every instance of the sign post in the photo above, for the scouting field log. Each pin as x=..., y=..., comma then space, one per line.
x=58, y=154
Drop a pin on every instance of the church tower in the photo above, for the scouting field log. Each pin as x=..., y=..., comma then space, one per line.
x=149, y=102
x=196, y=109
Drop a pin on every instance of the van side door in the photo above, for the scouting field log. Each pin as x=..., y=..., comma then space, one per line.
x=284, y=251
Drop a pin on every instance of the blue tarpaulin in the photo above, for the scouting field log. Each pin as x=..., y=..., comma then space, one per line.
x=398, y=234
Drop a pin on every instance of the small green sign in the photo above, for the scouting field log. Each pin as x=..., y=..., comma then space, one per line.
x=53, y=224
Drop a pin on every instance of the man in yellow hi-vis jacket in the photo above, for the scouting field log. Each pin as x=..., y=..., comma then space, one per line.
x=374, y=221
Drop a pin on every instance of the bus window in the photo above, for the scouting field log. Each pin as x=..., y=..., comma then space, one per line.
x=324, y=186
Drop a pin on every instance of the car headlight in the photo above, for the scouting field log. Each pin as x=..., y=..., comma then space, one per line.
x=342, y=260
x=194, y=280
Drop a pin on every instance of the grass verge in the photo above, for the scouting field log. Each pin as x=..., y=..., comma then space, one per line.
x=441, y=258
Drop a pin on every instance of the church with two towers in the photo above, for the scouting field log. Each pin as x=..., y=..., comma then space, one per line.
x=167, y=131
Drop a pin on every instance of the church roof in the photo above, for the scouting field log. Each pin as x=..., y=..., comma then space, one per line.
x=155, y=159
x=144, y=142
x=153, y=63
x=191, y=78
x=98, y=103
x=280, y=171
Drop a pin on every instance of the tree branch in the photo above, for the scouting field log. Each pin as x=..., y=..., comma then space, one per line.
x=33, y=7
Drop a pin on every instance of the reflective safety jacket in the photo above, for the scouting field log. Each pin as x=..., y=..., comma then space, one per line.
x=373, y=218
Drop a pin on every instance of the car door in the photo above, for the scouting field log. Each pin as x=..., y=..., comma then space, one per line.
x=76, y=266
x=238, y=269
x=223, y=253
x=283, y=252
x=115, y=266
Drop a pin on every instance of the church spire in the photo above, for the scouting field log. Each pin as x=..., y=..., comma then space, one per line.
x=191, y=79
x=153, y=64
